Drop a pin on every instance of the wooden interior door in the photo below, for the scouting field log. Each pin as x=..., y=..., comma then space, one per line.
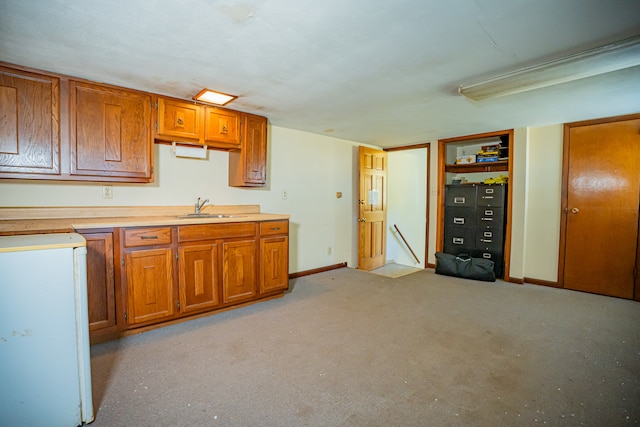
x=602, y=197
x=372, y=201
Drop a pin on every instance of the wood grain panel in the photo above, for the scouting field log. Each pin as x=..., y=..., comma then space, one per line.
x=602, y=202
x=198, y=280
x=100, y=281
x=239, y=271
x=111, y=132
x=29, y=122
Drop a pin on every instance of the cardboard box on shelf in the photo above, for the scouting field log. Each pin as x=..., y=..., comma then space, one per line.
x=469, y=158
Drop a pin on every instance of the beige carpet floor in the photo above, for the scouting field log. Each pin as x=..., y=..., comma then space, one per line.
x=349, y=348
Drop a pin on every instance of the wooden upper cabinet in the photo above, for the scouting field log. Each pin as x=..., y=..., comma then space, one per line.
x=214, y=127
x=110, y=135
x=221, y=126
x=248, y=166
x=178, y=120
x=29, y=123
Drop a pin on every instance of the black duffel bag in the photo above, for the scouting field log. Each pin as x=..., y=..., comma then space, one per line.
x=464, y=266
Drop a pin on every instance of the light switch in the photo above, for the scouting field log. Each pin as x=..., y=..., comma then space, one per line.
x=339, y=195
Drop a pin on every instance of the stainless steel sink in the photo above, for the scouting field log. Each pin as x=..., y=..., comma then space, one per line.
x=206, y=215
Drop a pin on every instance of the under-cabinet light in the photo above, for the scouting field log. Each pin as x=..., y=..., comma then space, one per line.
x=213, y=97
x=593, y=62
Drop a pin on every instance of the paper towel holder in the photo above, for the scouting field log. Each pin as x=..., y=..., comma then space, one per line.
x=193, y=151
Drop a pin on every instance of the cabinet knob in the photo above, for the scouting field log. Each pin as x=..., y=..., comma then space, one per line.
x=575, y=210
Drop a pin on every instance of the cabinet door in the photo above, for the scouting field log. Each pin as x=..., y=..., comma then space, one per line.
x=222, y=128
x=149, y=279
x=179, y=120
x=198, y=277
x=248, y=167
x=100, y=282
x=110, y=133
x=274, y=260
x=239, y=271
x=29, y=117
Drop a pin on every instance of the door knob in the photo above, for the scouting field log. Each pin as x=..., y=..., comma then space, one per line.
x=575, y=210
x=362, y=219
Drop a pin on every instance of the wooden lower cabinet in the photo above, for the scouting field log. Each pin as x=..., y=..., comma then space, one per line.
x=167, y=273
x=198, y=277
x=239, y=271
x=274, y=271
x=100, y=283
x=149, y=279
x=274, y=256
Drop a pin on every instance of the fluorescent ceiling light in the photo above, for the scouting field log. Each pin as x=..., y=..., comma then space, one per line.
x=593, y=62
x=213, y=97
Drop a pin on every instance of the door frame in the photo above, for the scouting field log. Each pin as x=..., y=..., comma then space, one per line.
x=565, y=197
x=442, y=161
x=426, y=145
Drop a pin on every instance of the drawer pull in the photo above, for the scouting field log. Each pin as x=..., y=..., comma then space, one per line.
x=458, y=240
x=458, y=220
x=486, y=255
x=148, y=237
x=275, y=228
x=459, y=200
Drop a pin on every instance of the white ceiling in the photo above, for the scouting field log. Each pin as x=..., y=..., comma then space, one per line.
x=382, y=72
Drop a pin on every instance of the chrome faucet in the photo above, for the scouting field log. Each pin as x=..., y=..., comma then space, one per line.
x=199, y=205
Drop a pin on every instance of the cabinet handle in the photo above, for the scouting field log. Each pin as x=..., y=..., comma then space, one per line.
x=488, y=234
x=458, y=240
x=148, y=237
x=274, y=228
x=488, y=190
x=458, y=220
x=486, y=255
x=459, y=200
x=488, y=213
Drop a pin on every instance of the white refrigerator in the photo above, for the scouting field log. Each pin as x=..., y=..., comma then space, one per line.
x=45, y=366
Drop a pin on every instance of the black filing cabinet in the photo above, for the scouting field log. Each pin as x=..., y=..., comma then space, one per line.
x=475, y=217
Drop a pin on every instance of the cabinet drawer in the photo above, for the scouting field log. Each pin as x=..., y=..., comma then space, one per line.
x=460, y=217
x=489, y=240
x=190, y=233
x=490, y=217
x=147, y=236
x=459, y=240
x=460, y=195
x=491, y=195
x=274, y=227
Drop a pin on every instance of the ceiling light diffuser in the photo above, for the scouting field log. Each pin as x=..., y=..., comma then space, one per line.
x=214, y=97
x=593, y=62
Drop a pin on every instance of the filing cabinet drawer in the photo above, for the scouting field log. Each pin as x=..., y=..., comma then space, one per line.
x=489, y=240
x=491, y=195
x=459, y=217
x=459, y=240
x=463, y=195
x=490, y=217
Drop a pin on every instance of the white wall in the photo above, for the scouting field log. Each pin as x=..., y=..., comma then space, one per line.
x=406, y=205
x=311, y=168
x=543, y=202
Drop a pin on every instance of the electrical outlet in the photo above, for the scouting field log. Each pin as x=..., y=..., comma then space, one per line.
x=285, y=194
x=107, y=192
